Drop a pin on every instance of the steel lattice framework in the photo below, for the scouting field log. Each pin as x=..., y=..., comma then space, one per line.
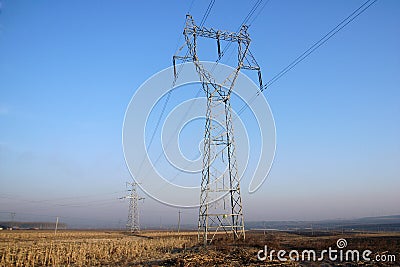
x=133, y=224
x=220, y=199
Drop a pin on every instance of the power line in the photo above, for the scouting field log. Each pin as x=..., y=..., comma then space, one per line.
x=205, y=16
x=251, y=12
x=255, y=7
x=305, y=54
x=159, y=119
x=310, y=50
x=74, y=204
x=259, y=12
x=300, y=58
x=204, y=19
x=170, y=91
x=180, y=35
x=245, y=20
x=6, y=195
x=320, y=42
x=219, y=157
x=177, y=127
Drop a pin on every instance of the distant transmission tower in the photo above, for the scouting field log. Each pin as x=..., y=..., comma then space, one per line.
x=220, y=199
x=132, y=224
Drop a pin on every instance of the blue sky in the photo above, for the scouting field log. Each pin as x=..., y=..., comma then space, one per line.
x=68, y=70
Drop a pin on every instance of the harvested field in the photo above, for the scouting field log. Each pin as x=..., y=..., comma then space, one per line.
x=156, y=248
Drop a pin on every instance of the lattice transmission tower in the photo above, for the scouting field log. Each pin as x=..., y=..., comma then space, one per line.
x=220, y=199
x=133, y=224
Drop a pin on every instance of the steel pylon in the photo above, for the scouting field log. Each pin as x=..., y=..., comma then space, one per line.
x=221, y=207
x=133, y=224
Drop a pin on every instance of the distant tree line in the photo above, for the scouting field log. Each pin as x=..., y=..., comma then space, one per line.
x=32, y=225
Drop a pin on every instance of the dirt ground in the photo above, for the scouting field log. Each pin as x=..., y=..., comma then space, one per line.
x=225, y=252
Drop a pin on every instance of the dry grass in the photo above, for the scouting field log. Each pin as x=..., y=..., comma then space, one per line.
x=83, y=248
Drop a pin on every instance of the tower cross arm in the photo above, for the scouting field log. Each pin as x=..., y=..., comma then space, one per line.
x=217, y=34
